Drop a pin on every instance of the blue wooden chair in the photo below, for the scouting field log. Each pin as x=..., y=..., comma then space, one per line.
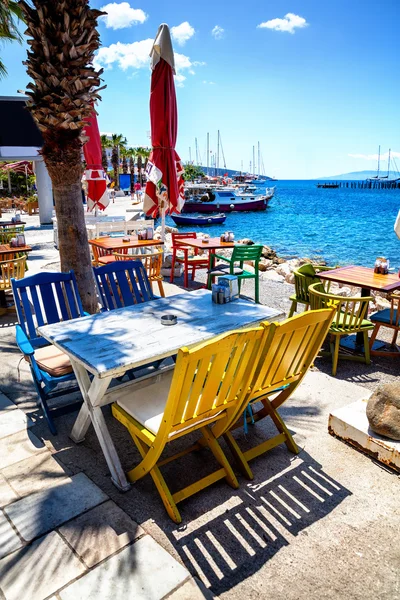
x=40, y=300
x=122, y=283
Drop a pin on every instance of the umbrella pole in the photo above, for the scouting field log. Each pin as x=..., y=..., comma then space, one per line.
x=163, y=224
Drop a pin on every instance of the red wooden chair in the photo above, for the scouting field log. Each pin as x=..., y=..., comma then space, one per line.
x=189, y=262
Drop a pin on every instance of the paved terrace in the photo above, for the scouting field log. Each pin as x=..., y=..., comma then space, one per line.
x=321, y=524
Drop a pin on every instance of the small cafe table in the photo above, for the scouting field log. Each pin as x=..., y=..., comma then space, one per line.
x=108, y=344
x=115, y=243
x=367, y=280
x=11, y=223
x=211, y=244
x=8, y=252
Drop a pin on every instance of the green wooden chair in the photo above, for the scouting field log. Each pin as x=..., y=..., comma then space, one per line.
x=305, y=276
x=350, y=317
x=234, y=266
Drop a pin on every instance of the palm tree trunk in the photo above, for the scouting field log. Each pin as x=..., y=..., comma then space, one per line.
x=72, y=234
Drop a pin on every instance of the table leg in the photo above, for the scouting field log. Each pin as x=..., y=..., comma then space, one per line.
x=211, y=263
x=93, y=392
x=360, y=336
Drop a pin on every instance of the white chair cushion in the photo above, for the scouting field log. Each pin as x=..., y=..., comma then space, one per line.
x=147, y=404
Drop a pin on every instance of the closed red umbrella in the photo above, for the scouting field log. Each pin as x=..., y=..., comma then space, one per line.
x=164, y=189
x=94, y=174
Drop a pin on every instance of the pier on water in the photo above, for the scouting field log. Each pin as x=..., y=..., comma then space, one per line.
x=367, y=185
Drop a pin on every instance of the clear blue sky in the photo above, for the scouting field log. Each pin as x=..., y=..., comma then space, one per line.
x=312, y=97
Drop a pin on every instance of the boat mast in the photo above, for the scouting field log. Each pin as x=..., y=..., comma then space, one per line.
x=208, y=153
x=254, y=160
x=388, y=165
x=379, y=161
x=190, y=155
x=218, y=154
x=258, y=145
x=197, y=152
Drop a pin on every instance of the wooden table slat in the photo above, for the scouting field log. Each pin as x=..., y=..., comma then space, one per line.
x=116, y=243
x=7, y=249
x=362, y=277
x=212, y=244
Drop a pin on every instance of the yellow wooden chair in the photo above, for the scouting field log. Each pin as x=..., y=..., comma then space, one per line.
x=10, y=269
x=285, y=354
x=350, y=317
x=7, y=233
x=152, y=262
x=206, y=387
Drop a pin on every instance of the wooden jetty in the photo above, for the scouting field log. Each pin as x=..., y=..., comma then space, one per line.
x=363, y=185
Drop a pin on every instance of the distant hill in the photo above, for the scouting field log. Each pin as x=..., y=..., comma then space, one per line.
x=359, y=175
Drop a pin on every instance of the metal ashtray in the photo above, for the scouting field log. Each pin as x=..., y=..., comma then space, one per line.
x=169, y=320
x=206, y=241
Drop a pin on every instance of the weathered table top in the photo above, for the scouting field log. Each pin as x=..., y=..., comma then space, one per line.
x=362, y=277
x=7, y=249
x=212, y=244
x=115, y=243
x=110, y=343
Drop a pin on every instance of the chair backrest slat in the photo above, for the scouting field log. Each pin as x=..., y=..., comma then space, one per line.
x=122, y=283
x=210, y=379
x=179, y=236
x=46, y=298
x=290, y=350
x=242, y=253
x=350, y=312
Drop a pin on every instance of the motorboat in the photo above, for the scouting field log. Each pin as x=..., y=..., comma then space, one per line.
x=199, y=220
x=207, y=199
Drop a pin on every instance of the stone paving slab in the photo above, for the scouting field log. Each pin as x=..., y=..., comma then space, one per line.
x=7, y=494
x=38, y=570
x=39, y=513
x=12, y=421
x=5, y=403
x=19, y=446
x=9, y=540
x=143, y=571
x=34, y=474
x=99, y=533
x=191, y=590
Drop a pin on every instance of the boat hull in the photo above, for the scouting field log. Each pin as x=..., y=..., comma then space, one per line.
x=224, y=206
x=199, y=221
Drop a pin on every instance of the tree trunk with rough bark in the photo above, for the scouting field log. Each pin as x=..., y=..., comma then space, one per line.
x=72, y=235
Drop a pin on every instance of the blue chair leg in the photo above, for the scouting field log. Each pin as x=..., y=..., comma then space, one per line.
x=45, y=408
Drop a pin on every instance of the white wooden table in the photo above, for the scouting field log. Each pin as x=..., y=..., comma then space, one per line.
x=110, y=343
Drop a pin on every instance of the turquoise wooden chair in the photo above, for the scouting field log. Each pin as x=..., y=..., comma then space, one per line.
x=39, y=300
x=388, y=317
x=235, y=266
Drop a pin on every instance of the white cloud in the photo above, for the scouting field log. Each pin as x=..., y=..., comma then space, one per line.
x=217, y=32
x=136, y=56
x=182, y=33
x=122, y=15
x=375, y=157
x=208, y=82
x=289, y=23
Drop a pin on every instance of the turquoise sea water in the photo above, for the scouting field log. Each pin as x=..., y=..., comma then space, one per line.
x=344, y=226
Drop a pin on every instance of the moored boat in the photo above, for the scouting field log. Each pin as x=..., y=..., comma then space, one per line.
x=209, y=200
x=199, y=220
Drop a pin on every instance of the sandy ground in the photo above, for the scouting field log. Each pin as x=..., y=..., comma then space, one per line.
x=323, y=524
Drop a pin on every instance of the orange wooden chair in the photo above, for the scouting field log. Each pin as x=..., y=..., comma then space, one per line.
x=152, y=262
x=189, y=262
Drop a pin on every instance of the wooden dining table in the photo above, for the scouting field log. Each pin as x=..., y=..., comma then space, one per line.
x=115, y=243
x=366, y=279
x=104, y=346
x=7, y=251
x=210, y=244
x=11, y=223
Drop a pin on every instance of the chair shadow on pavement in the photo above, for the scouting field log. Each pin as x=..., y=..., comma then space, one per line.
x=267, y=515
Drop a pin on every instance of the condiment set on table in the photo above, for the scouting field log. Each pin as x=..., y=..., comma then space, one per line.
x=381, y=265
